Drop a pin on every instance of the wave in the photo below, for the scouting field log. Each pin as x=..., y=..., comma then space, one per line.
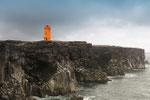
x=88, y=97
x=62, y=98
x=130, y=75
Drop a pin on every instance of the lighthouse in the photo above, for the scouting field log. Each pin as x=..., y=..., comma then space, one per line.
x=47, y=32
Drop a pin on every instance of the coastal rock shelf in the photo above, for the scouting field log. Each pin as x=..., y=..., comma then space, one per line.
x=57, y=67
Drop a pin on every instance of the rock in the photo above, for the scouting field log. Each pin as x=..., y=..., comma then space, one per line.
x=44, y=67
x=76, y=96
x=116, y=60
x=91, y=75
x=86, y=67
x=147, y=62
x=56, y=67
x=31, y=98
x=35, y=69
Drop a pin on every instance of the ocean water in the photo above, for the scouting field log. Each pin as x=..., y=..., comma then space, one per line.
x=135, y=85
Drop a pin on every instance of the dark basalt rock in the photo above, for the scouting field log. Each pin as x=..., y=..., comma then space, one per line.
x=55, y=67
x=76, y=96
x=91, y=75
x=116, y=60
x=147, y=62
x=45, y=68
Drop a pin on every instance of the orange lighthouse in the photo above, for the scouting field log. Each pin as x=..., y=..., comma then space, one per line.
x=47, y=32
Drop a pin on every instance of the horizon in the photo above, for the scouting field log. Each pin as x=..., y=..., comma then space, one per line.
x=100, y=22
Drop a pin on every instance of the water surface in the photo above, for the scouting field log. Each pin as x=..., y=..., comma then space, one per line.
x=135, y=85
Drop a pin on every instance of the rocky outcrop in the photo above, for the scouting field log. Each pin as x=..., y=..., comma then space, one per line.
x=55, y=68
x=86, y=67
x=35, y=69
x=115, y=60
x=76, y=97
x=45, y=68
x=147, y=62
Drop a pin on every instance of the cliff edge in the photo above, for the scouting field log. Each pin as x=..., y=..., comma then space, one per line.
x=56, y=67
x=116, y=60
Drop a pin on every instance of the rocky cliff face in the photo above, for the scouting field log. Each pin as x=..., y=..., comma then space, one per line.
x=116, y=60
x=55, y=68
x=45, y=68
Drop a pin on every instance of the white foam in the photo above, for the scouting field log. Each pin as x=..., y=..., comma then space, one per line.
x=130, y=75
x=147, y=66
x=89, y=98
x=114, y=77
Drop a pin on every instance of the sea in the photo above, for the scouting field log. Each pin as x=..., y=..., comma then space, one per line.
x=135, y=85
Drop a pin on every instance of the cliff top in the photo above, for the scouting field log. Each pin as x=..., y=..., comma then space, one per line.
x=63, y=43
x=112, y=46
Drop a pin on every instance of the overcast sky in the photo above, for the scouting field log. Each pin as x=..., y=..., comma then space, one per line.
x=103, y=22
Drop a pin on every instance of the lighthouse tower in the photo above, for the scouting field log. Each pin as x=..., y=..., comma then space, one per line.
x=47, y=32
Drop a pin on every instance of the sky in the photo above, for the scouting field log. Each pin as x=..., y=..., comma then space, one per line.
x=100, y=22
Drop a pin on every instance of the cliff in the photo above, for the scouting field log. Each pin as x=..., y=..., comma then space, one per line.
x=45, y=68
x=55, y=68
x=115, y=60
